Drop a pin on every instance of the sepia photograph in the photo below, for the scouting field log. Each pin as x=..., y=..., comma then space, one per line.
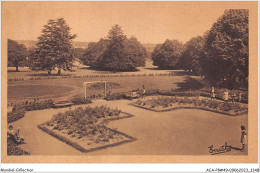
x=129, y=82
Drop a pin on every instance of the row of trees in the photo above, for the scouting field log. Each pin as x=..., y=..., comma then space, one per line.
x=220, y=55
x=115, y=53
x=54, y=51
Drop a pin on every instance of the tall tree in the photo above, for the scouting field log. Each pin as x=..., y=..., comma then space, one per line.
x=135, y=52
x=168, y=54
x=93, y=55
x=54, y=48
x=114, y=57
x=17, y=54
x=116, y=52
x=226, y=50
x=191, y=55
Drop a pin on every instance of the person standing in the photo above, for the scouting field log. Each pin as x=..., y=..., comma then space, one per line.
x=225, y=96
x=212, y=93
x=233, y=96
x=144, y=91
x=243, y=137
x=240, y=97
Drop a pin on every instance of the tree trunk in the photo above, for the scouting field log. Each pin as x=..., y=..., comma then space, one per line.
x=49, y=72
x=17, y=69
x=59, y=71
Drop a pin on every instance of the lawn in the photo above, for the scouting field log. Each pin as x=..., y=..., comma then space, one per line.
x=26, y=73
x=57, y=87
x=36, y=90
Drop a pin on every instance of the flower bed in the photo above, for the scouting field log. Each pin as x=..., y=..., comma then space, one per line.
x=167, y=103
x=84, y=128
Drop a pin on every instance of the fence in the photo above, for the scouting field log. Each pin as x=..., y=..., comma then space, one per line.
x=91, y=76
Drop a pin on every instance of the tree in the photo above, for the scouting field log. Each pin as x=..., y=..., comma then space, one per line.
x=226, y=50
x=116, y=53
x=135, y=52
x=114, y=57
x=17, y=54
x=93, y=55
x=168, y=54
x=78, y=53
x=54, y=48
x=191, y=55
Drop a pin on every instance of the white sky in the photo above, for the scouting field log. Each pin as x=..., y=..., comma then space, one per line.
x=149, y=22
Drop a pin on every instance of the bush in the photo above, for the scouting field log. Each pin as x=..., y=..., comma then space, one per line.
x=15, y=115
x=115, y=96
x=80, y=100
x=101, y=85
x=33, y=105
x=12, y=149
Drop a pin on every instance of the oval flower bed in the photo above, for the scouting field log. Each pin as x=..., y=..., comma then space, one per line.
x=167, y=103
x=84, y=128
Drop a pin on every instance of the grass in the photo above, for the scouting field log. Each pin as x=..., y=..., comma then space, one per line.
x=126, y=84
x=29, y=90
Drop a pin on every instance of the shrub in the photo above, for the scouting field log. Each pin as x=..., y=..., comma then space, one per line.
x=12, y=149
x=15, y=115
x=80, y=100
x=115, y=96
x=109, y=85
x=33, y=105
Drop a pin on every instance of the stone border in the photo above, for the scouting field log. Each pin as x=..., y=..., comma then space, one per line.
x=188, y=107
x=82, y=149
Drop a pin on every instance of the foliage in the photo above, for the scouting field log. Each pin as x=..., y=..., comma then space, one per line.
x=115, y=96
x=116, y=53
x=135, y=52
x=94, y=53
x=226, y=50
x=15, y=115
x=54, y=48
x=167, y=55
x=101, y=85
x=17, y=54
x=193, y=51
x=13, y=149
x=78, y=52
x=80, y=100
x=35, y=104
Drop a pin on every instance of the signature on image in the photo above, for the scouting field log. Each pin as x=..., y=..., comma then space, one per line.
x=227, y=148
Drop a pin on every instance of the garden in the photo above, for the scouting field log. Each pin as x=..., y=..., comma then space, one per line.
x=85, y=129
x=167, y=103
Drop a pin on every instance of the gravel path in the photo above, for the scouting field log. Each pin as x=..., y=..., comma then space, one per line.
x=179, y=132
